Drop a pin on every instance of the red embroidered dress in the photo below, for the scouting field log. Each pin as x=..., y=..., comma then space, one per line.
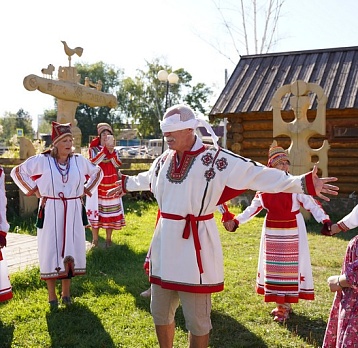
x=284, y=268
x=102, y=211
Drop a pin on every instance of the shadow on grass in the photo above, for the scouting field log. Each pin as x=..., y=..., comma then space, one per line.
x=83, y=329
x=120, y=265
x=229, y=333
x=347, y=236
x=6, y=335
x=138, y=202
x=123, y=266
x=311, y=331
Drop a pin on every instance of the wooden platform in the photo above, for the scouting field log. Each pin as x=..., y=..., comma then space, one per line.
x=21, y=252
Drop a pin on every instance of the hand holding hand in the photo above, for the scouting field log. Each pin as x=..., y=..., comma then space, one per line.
x=330, y=230
x=230, y=225
x=326, y=229
x=116, y=191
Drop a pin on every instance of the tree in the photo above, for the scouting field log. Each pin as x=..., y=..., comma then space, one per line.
x=88, y=117
x=46, y=120
x=141, y=99
x=250, y=27
x=11, y=122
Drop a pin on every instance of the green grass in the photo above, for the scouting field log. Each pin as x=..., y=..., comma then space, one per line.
x=108, y=311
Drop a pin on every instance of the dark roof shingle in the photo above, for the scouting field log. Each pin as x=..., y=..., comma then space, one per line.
x=257, y=77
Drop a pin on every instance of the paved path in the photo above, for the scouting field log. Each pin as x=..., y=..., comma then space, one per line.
x=21, y=251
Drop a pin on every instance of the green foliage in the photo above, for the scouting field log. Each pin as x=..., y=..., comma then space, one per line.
x=109, y=312
x=142, y=100
x=88, y=117
x=45, y=121
x=11, y=122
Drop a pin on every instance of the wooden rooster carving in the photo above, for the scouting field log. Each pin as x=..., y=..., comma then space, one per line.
x=71, y=51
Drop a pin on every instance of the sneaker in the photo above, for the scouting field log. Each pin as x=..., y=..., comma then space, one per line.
x=281, y=313
x=66, y=300
x=146, y=293
x=53, y=305
x=274, y=311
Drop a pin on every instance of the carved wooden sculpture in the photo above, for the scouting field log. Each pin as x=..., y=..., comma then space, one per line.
x=300, y=129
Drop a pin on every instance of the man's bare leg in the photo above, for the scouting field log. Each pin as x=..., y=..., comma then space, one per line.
x=165, y=335
x=198, y=341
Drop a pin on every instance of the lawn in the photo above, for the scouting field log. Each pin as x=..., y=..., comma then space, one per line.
x=108, y=311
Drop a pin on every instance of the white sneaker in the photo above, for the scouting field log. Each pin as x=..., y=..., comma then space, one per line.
x=146, y=293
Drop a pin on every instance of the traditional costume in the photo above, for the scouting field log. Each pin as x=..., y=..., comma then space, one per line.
x=60, y=233
x=186, y=252
x=5, y=285
x=102, y=211
x=284, y=272
x=342, y=326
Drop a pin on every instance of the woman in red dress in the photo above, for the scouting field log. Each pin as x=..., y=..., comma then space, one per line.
x=284, y=272
x=105, y=211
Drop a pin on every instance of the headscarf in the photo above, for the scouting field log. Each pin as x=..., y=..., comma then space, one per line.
x=180, y=117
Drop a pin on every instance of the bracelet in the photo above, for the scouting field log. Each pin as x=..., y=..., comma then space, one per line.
x=339, y=284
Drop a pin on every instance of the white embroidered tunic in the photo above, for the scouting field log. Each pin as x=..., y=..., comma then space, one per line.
x=186, y=252
x=62, y=237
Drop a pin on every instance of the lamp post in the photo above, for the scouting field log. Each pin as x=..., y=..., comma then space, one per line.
x=168, y=79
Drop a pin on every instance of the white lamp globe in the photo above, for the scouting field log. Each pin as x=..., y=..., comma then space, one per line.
x=173, y=78
x=162, y=75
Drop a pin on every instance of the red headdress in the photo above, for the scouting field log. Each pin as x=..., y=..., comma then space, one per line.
x=59, y=131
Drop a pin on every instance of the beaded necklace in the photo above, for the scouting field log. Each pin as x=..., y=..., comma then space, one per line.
x=63, y=169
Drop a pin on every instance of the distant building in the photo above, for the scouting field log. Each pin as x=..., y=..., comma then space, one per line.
x=205, y=136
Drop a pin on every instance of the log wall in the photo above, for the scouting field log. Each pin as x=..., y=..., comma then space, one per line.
x=250, y=135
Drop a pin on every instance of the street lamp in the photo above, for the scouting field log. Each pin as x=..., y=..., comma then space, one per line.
x=168, y=79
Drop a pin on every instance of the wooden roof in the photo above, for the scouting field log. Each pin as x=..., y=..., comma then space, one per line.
x=257, y=77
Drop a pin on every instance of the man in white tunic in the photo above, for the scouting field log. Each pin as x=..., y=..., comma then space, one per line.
x=189, y=181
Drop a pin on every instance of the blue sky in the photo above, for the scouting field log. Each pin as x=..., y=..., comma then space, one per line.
x=126, y=34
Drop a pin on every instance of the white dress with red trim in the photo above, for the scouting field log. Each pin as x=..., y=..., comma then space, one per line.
x=5, y=285
x=61, y=238
x=186, y=252
x=102, y=211
x=284, y=272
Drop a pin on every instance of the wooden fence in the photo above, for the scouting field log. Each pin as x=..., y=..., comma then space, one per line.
x=129, y=167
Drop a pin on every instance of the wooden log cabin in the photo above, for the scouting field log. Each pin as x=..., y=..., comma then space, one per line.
x=246, y=104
